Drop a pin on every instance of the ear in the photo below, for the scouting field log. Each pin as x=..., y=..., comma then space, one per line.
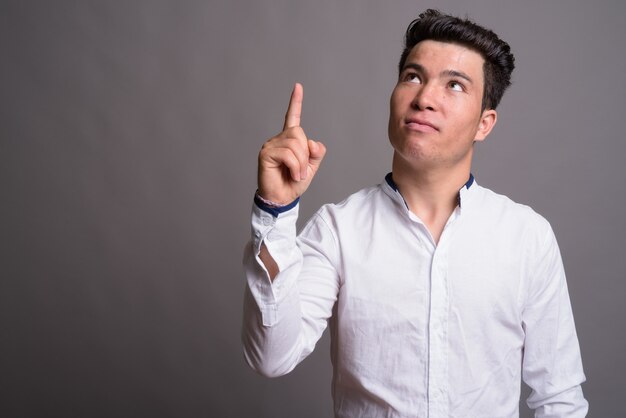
x=485, y=125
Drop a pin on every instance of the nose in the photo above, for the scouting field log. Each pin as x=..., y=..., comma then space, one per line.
x=425, y=97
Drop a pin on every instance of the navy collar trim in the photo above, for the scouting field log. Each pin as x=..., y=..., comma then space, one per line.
x=390, y=182
x=394, y=186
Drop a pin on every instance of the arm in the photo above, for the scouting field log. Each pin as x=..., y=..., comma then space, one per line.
x=552, y=364
x=291, y=286
x=287, y=164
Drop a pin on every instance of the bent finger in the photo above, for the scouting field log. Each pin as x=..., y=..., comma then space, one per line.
x=287, y=158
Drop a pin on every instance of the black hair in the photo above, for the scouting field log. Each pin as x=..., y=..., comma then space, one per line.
x=499, y=61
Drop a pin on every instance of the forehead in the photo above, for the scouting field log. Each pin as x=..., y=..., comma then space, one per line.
x=439, y=56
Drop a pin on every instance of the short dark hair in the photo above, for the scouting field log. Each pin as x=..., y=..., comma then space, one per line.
x=499, y=61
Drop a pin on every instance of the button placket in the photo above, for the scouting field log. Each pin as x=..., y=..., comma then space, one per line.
x=438, y=332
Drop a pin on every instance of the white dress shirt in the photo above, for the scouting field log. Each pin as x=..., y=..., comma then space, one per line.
x=418, y=329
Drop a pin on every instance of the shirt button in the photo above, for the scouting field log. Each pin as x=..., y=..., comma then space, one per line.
x=266, y=221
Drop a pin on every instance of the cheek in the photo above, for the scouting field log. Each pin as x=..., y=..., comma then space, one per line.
x=397, y=102
x=467, y=115
x=393, y=104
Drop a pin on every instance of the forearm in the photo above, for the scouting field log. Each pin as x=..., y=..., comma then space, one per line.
x=285, y=316
x=271, y=319
x=271, y=331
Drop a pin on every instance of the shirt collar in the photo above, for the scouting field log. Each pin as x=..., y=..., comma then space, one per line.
x=463, y=192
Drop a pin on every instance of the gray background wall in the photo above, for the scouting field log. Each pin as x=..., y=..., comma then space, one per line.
x=128, y=141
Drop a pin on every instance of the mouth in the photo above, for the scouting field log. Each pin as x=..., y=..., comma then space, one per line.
x=420, y=125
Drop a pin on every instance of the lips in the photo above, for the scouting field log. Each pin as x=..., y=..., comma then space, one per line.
x=420, y=124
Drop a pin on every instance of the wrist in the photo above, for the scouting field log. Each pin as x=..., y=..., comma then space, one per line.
x=274, y=208
x=267, y=202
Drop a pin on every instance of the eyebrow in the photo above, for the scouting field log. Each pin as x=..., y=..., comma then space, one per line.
x=447, y=73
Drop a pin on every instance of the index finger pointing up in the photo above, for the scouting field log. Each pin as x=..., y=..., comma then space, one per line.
x=292, y=118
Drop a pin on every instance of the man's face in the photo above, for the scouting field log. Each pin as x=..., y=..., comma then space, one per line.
x=435, y=110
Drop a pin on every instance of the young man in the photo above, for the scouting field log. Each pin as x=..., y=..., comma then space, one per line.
x=441, y=295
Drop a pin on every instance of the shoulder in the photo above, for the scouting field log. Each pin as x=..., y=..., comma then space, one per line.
x=356, y=211
x=504, y=212
x=359, y=204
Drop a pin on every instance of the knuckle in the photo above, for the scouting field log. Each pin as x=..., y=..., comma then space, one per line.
x=270, y=142
x=295, y=132
x=299, y=131
x=288, y=155
x=292, y=140
x=292, y=144
x=265, y=148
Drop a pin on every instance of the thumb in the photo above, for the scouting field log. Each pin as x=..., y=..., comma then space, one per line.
x=317, y=150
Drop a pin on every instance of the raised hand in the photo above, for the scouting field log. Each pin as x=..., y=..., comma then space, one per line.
x=288, y=162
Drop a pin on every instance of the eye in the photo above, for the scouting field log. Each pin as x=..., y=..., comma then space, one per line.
x=456, y=86
x=412, y=78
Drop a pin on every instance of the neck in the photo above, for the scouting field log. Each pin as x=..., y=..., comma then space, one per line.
x=430, y=193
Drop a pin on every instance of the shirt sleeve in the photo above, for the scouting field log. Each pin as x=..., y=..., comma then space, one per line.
x=552, y=365
x=283, y=319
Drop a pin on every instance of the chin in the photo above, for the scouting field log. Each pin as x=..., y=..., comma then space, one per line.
x=415, y=153
x=413, y=146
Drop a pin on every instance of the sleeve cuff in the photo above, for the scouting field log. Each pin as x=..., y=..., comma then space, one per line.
x=279, y=235
x=278, y=232
x=272, y=210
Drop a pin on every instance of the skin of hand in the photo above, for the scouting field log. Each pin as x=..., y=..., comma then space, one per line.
x=288, y=161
